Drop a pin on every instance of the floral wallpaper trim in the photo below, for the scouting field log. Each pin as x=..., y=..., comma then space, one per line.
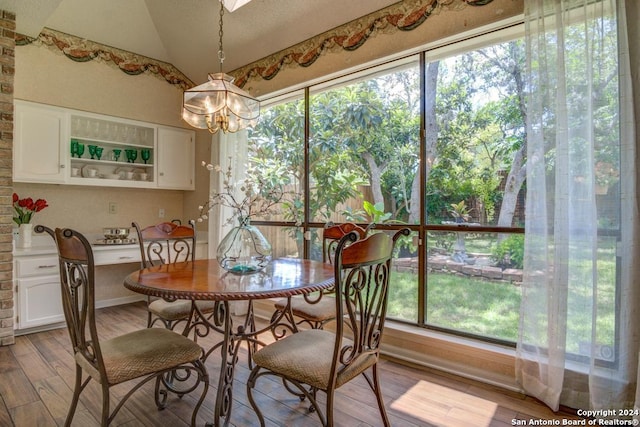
x=402, y=16
x=82, y=50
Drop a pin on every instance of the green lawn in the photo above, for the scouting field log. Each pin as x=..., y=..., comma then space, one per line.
x=492, y=308
x=475, y=306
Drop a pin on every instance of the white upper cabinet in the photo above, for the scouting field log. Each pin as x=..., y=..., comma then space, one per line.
x=39, y=152
x=176, y=152
x=104, y=150
x=62, y=146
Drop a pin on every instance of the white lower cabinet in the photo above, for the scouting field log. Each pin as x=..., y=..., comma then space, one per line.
x=40, y=302
x=37, y=295
x=38, y=292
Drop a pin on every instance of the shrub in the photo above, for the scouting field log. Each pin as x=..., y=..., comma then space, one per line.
x=509, y=253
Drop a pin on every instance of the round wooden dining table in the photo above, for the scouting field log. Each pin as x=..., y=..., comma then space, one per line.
x=205, y=280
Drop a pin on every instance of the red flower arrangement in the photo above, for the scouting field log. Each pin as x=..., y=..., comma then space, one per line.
x=25, y=208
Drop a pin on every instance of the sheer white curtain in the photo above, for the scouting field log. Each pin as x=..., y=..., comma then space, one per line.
x=632, y=9
x=578, y=344
x=226, y=147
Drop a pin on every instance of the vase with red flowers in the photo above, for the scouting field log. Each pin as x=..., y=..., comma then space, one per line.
x=23, y=212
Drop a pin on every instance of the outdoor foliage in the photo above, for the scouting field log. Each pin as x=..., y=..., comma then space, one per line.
x=509, y=253
x=364, y=163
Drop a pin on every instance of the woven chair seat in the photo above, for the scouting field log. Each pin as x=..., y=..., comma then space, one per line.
x=179, y=309
x=142, y=352
x=307, y=357
x=322, y=311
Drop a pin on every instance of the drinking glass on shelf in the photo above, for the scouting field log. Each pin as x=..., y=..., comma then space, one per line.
x=122, y=133
x=75, y=126
x=145, y=153
x=92, y=151
x=95, y=130
x=80, y=149
x=74, y=148
x=132, y=155
x=115, y=154
x=87, y=128
x=132, y=134
x=144, y=136
x=105, y=130
x=99, y=152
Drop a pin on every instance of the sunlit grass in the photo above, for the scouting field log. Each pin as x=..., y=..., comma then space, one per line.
x=475, y=306
x=470, y=305
x=492, y=308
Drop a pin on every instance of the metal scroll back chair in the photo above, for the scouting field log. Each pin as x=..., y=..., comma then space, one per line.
x=315, y=310
x=168, y=243
x=332, y=234
x=145, y=354
x=317, y=359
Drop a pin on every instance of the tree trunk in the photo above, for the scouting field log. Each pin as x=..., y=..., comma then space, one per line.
x=431, y=138
x=376, y=178
x=515, y=178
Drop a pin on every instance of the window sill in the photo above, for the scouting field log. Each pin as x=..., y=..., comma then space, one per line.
x=486, y=362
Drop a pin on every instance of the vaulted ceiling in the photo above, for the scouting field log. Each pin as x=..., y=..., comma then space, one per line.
x=185, y=32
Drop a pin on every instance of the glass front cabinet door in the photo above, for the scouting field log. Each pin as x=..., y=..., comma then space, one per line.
x=62, y=146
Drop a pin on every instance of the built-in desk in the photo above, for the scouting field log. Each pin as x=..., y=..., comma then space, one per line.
x=37, y=301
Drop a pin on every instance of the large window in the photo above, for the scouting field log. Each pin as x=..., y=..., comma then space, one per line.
x=352, y=149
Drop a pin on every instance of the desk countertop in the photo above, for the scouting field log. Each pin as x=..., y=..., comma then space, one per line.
x=43, y=245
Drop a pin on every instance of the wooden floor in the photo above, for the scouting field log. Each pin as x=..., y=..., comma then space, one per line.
x=36, y=376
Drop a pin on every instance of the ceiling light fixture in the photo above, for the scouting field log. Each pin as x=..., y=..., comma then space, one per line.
x=219, y=104
x=232, y=5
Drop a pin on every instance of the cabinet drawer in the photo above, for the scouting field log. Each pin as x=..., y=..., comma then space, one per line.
x=121, y=255
x=36, y=266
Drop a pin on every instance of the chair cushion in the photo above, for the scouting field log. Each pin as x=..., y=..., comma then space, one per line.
x=178, y=309
x=307, y=356
x=142, y=352
x=322, y=311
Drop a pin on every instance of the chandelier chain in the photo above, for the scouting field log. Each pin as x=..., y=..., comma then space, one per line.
x=220, y=33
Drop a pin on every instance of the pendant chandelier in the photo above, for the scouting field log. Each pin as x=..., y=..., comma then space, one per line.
x=219, y=104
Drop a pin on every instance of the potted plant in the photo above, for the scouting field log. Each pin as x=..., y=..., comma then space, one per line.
x=460, y=212
x=23, y=212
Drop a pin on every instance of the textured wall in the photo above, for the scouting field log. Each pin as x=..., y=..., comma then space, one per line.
x=7, y=46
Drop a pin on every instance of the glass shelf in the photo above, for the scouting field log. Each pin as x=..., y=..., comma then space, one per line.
x=116, y=142
x=105, y=131
x=111, y=163
x=87, y=141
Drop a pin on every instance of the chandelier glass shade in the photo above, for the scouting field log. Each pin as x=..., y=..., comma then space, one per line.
x=219, y=105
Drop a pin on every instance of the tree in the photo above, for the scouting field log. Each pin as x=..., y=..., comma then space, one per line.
x=505, y=68
x=279, y=138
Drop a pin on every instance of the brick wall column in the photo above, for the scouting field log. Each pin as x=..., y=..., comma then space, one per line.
x=7, y=69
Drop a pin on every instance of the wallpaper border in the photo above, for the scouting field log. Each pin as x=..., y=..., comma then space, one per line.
x=402, y=16
x=82, y=50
